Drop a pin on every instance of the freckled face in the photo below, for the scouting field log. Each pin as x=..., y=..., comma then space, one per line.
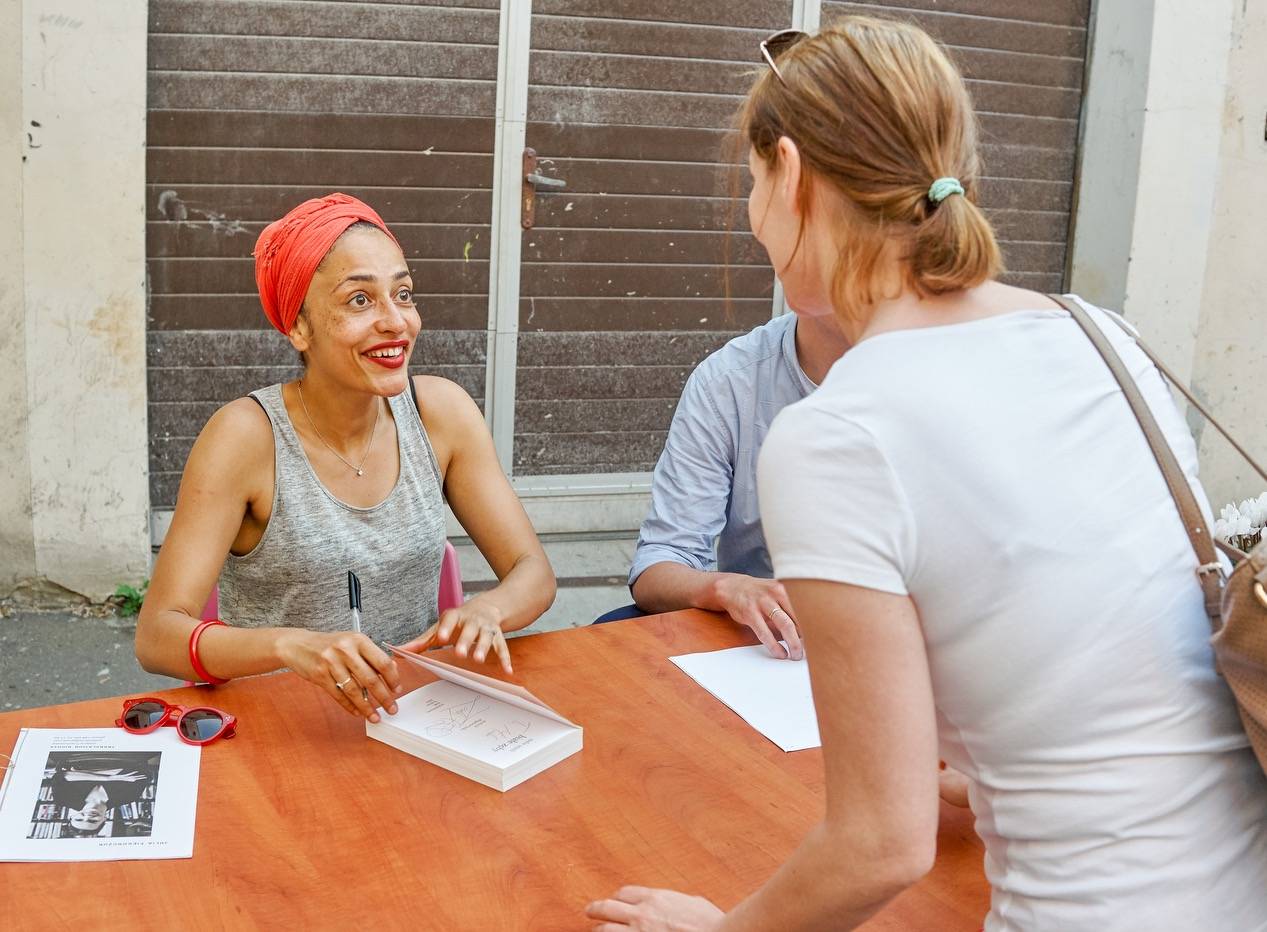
x=361, y=319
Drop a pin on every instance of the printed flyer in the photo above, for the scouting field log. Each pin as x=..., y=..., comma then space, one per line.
x=98, y=794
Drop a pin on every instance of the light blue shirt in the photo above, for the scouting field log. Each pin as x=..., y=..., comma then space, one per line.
x=704, y=488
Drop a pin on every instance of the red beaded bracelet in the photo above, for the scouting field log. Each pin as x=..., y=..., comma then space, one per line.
x=194, y=662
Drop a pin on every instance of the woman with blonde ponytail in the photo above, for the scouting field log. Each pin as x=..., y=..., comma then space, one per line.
x=980, y=550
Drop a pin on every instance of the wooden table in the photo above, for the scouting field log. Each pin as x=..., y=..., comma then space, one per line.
x=304, y=822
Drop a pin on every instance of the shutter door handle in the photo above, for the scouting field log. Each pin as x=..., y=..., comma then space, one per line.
x=531, y=181
x=535, y=179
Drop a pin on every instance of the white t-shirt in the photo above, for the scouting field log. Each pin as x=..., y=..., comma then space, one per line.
x=993, y=471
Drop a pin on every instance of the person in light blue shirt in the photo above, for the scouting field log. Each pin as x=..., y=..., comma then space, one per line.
x=701, y=545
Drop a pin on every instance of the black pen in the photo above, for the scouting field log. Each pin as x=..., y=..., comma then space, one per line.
x=354, y=603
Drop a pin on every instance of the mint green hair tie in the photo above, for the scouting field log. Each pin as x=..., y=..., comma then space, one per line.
x=942, y=188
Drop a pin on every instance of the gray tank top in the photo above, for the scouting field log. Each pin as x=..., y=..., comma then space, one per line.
x=296, y=576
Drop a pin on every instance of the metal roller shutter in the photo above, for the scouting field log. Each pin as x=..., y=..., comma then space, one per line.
x=1024, y=62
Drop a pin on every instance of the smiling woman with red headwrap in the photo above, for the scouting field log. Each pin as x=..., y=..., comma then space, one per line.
x=347, y=468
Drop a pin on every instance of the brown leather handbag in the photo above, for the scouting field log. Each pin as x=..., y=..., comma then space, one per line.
x=1236, y=604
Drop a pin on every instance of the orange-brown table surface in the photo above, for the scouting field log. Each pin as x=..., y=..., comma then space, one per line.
x=304, y=822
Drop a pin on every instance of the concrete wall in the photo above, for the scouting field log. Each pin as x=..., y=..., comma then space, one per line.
x=80, y=307
x=1167, y=226
x=17, y=541
x=1230, y=365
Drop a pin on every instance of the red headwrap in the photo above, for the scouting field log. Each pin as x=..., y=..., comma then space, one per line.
x=290, y=249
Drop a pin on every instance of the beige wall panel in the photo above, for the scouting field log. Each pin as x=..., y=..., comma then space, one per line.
x=17, y=541
x=83, y=206
x=1230, y=368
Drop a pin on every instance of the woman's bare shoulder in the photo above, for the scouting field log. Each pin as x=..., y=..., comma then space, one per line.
x=241, y=420
x=438, y=386
x=238, y=436
x=444, y=401
x=452, y=419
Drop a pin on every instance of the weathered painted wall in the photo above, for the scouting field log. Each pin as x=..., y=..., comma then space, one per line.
x=82, y=245
x=1112, y=136
x=1230, y=365
x=1149, y=158
x=1167, y=226
x=17, y=542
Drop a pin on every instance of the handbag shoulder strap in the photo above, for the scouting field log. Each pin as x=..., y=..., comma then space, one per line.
x=1192, y=400
x=1208, y=567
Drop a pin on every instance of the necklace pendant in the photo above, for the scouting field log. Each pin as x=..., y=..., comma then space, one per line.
x=360, y=472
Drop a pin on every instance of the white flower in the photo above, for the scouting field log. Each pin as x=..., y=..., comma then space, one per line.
x=1225, y=529
x=1245, y=519
x=1256, y=510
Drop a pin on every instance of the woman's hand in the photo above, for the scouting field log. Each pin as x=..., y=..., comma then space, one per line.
x=649, y=910
x=477, y=627
x=350, y=667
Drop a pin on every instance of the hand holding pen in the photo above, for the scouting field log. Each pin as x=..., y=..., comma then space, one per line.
x=354, y=603
x=348, y=667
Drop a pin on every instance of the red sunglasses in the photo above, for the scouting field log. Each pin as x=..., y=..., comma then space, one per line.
x=196, y=725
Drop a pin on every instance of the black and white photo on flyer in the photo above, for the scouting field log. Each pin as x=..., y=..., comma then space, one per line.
x=98, y=794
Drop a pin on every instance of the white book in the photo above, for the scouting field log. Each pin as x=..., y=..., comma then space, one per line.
x=492, y=732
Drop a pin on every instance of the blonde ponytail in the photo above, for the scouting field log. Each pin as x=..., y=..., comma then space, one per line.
x=952, y=247
x=880, y=114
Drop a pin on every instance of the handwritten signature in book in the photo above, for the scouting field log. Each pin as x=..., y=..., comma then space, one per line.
x=515, y=728
x=460, y=716
x=511, y=734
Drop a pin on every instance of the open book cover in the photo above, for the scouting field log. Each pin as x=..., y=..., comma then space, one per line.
x=492, y=732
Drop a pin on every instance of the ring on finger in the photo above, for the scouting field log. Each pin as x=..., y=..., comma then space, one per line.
x=339, y=686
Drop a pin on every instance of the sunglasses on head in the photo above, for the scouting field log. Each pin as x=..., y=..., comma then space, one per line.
x=773, y=46
x=195, y=725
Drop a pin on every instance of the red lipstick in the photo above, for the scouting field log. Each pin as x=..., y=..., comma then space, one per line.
x=390, y=355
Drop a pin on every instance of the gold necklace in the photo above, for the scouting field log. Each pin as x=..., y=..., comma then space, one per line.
x=378, y=412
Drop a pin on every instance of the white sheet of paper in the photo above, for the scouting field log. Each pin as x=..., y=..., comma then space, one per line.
x=773, y=696
x=487, y=729
x=153, y=777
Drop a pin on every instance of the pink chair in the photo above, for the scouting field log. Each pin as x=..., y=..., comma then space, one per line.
x=450, y=580
x=450, y=586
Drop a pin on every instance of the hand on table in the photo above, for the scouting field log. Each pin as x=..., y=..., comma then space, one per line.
x=763, y=606
x=647, y=910
x=349, y=667
x=473, y=627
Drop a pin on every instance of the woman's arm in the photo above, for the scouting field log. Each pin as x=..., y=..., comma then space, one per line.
x=216, y=490
x=221, y=483
x=488, y=508
x=875, y=712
